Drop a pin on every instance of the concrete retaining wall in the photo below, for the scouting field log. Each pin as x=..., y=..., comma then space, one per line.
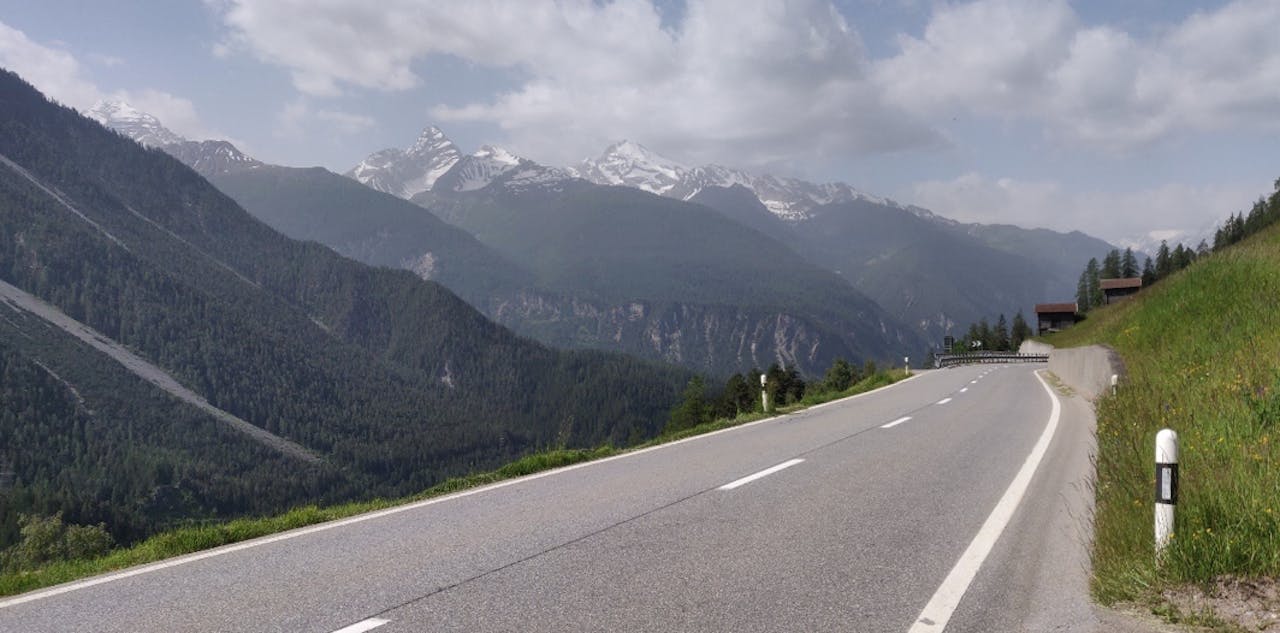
x=1088, y=370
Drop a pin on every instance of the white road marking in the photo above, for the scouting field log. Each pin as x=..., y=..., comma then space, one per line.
x=973, y=382
x=361, y=627
x=964, y=389
x=938, y=612
x=944, y=401
x=895, y=422
x=764, y=473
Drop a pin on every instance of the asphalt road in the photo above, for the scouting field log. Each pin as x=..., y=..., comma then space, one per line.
x=858, y=536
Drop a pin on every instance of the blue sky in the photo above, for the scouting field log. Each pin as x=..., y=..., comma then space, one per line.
x=1128, y=120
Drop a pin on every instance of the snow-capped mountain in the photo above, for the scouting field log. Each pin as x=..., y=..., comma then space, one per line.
x=407, y=172
x=478, y=170
x=632, y=165
x=134, y=123
x=211, y=158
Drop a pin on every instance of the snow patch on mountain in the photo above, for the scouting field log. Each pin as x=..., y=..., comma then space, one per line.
x=408, y=172
x=133, y=123
x=477, y=170
x=631, y=164
x=212, y=158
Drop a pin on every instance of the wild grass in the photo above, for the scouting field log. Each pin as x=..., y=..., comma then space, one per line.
x=196, y=538
x=1202, y=350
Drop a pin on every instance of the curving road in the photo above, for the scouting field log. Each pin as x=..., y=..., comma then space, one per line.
x=853, y=516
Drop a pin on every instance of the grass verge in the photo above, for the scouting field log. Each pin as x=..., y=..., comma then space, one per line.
x=1202, y=350
x=187, y=540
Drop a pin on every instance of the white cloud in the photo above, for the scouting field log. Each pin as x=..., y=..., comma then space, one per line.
x=298, y=118
x=60, y=76
x=1124, y=217
x=53, y=71
x=751, y=82
x=1095, y=86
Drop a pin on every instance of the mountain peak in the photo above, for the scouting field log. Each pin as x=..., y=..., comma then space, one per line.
x=406, y=173
x=133, y=123
x=431, y=140
x=631, y=164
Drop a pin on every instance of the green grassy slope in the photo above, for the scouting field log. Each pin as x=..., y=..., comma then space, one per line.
x=1203, y=355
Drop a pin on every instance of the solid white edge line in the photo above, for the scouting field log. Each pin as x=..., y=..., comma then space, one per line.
x=76, y=585
x=362, y=626
x=764, y=473
x=938, y=611
x=895, y=422
x=944, y=401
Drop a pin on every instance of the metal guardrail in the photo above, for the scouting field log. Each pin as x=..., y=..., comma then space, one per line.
x=982, y=358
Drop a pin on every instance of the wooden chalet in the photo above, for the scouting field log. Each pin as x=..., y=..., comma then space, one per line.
x=1114, y=290
x=1055, y=317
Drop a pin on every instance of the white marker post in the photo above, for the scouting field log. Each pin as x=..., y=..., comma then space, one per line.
x=1115, y=381
x=1166, y=486
x=906, y=365
x=764, y=393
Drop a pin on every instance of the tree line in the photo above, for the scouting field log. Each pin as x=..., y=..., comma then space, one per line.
x=741, y=393
x=1001, y=337
x=1123, y=265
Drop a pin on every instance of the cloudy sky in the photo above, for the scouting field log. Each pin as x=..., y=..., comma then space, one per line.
x=1127, y=120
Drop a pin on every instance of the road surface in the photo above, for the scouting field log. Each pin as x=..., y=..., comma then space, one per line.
x=876, y=513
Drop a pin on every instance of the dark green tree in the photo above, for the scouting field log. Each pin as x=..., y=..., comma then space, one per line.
x=1148, y=272
x=840, y=376
x=1082, y=291
x=1111, y=265
x=1164, y=261
x=1019, y=332
x=1000, y=335
x=1093, y=273
x=693, y=409
x=1129, y=264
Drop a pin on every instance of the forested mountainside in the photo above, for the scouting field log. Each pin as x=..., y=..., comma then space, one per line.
x=391, y=381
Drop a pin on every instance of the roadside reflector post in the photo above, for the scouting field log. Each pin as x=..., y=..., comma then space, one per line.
x=906, y=364
x=764, y=392
x=1115, y=381
x=1166, y=486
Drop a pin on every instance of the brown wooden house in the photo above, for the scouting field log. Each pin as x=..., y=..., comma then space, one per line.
x=1055, y=317
x=1114, y=290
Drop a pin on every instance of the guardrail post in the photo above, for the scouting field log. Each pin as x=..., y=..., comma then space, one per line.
x=1166, y=487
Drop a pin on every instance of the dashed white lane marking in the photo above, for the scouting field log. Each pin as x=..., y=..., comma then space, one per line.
x=944, y=401
x=937, y=613
x=362, y=626
x=764, y=473
x=964, y=389
x=895, y=422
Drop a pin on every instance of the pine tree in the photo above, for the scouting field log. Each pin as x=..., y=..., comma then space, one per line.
x=1000, y=337
x=1082, y=291
x=1148, y=272
x=1019, y=332
x=1111, y=265
x=1128, y=264
x=1094, y=273
x=1164, y=261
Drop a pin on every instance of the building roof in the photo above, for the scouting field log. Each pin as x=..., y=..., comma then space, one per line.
x=1048, y=308
x=1115, y=284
